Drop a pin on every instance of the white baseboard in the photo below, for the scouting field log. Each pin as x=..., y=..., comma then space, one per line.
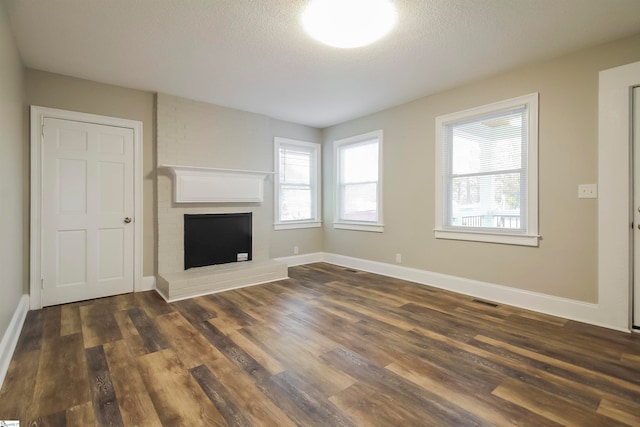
x=148, y=284
x=11, y=335
x=302, y=259
x=548, y=304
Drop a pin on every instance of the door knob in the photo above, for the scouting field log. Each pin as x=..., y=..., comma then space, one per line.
x=127, y=220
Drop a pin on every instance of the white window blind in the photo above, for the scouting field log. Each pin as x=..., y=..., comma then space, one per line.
x=297, y=181
x=486, y=171
x=359, y=181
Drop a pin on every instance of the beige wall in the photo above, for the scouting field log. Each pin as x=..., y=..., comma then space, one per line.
x=563, y=265
x=13, y=199
x=69, y=93
x=193, y=133
x=565, y=262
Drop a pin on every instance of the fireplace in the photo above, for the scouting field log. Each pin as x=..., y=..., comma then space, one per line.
x=211, y=239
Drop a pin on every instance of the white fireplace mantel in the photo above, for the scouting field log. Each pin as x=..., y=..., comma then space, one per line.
x=213, y=185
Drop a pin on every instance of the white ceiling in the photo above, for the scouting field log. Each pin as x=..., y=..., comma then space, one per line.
x=253, y=55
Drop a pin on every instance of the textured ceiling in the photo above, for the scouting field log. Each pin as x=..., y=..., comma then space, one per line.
x=253, y=55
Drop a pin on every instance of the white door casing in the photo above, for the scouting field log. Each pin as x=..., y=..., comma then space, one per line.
x=615, y=197
x=86, y=178
x=636, y=206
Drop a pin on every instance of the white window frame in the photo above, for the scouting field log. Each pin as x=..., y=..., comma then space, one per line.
x=315, y=184
x=528, y=237
x=377, y=226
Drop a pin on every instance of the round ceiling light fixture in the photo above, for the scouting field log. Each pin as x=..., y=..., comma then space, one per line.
x=349, y=23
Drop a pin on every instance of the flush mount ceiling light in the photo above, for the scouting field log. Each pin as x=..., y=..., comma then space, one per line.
x=348, y=23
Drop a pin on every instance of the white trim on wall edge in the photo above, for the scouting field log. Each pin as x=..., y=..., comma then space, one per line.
x=11, y=335
x=615, y=257
x=148, y=284
x=548, y=304
x=302, y=259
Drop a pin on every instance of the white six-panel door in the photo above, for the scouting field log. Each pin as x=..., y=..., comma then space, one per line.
x=87, y=211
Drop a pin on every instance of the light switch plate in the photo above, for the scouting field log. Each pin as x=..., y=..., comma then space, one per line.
x=588, y=191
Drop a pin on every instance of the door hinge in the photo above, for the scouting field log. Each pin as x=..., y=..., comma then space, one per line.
x=42, y=283
x=42, y=129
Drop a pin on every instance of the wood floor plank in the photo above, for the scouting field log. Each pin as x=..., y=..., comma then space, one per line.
x=616, y=383
x=367, y=406
x=497, y=365
x=151, y=336
x=62, y=380
x=253, y=308
x=249, y=395
x=52, y=322
x=177, y=397
x=105, y=403
x=235, y=354
x=435, y=409
x=99, y=326
x=446, y=383
x=136, y=407
x=310, y=401
x=81, y=416
x=219, y=396
x=229, y=318
x=130, y=333
x=550, y=406
x=260, y=375
x=70, y=320
x=193, y=311
x=260, y=355
x=153, y=304
x=349, y=335
x=19, y=386
x=52, y=420
x=31, y=335
x=620, y=410
x=286, y=350
x=190, y=346
x=329, y=346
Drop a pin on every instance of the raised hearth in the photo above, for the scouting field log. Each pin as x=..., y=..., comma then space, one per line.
x=216, y=278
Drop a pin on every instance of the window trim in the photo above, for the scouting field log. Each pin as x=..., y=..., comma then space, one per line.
x=530, y=236
x=377, y=226
x=316, y=186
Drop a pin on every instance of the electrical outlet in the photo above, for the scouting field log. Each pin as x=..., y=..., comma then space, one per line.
x=399, y=258
x=588, y=191
x=296, y=250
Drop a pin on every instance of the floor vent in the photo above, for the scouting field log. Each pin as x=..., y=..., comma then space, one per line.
x=490, y=304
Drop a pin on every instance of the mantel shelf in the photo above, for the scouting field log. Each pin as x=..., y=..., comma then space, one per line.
x=193, y=184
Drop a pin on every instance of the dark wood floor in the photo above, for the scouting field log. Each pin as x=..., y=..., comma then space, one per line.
x=330, y=347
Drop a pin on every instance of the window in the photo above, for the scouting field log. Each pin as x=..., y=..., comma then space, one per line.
x=358, y=161
x=486, y=173
x=297, y=184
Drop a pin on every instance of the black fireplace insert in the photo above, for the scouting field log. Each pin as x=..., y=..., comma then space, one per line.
x=211, y=239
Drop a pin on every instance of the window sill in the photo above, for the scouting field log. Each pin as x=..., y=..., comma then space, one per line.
x=476, y=236
x=359, y=226
x=296, y=225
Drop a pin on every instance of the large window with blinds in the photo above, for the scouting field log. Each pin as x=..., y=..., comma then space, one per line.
x=487, y=173
x=358, y=161
x=297, y=184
